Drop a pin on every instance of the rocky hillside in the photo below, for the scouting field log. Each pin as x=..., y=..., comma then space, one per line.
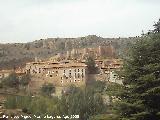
x=14, y=55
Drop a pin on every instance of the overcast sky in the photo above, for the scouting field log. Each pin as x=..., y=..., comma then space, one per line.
x=28, y=20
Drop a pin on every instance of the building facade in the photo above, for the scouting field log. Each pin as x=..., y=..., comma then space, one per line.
x=60, y=74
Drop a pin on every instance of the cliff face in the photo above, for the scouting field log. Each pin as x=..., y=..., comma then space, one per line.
x=17, y=54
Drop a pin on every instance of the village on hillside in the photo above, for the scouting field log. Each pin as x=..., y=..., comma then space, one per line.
x=70, y=68
x=79, y=60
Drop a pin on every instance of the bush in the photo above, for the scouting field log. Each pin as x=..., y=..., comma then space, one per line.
x=48, y=89
x=25, y=80
x=92, y=69
x=25, y=110
x=11, y=81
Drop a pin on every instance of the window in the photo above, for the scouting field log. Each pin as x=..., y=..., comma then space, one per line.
x=78, y=75
x=64, y=71
x=70, y=73
x=70, y=76
x=75, y=75
x=75, y=70
x=50, y=76
x=82, y=75
x=78, y=70
x=82, y=70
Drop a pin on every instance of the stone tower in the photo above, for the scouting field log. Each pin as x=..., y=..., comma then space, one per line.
x=100, y=50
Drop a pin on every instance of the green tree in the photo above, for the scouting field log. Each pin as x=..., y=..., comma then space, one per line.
x=84, y=103
x=98, y=86
x=11, y=81
x=25, y=80
x=157, y=27
x=10, y=102
x=62, y=106
x=92, y=69
x=47, y=89
x=141, y=93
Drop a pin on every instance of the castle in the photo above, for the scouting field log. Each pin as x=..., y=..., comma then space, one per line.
x=80, y=54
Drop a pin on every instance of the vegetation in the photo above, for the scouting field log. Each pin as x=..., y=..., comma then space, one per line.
x=137, y=99
x=13, y=81
x=47, y=89
x=25, y=79
x=83, y=102
x=99, y=86
x=113, y=89
x=140, y=95
x=91, y=65
x=157, y=27
x=105, y=117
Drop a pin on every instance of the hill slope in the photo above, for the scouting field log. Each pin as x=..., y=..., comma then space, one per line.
x=17, y=54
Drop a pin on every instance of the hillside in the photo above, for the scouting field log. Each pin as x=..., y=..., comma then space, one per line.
x=16, y=54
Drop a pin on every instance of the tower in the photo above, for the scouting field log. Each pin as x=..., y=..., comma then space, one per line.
x=100, y=50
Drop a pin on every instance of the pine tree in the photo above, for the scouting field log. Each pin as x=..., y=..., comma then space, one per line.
x=91, y=65
x=141, y=94
x=157, y=27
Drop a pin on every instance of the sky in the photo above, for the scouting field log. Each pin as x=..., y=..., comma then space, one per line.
x=29, y=20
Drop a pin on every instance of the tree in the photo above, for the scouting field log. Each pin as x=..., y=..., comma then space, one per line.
x=25, y=80
x=141, y=93
x=84, y=103
x=92, y=69
x=11, y=81
x=157, y=27
x=10, y=102
x=47, y=89
x=98, y=86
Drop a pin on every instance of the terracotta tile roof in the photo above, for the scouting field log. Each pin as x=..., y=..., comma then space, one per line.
x=67, y=65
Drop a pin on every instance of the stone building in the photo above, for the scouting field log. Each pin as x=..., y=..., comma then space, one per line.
x=60, y=74
x=100, y=52
x=110, y=67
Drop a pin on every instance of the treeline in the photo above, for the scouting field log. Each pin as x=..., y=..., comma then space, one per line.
x=140, y=95
x=15, y=81
x=85, y=102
